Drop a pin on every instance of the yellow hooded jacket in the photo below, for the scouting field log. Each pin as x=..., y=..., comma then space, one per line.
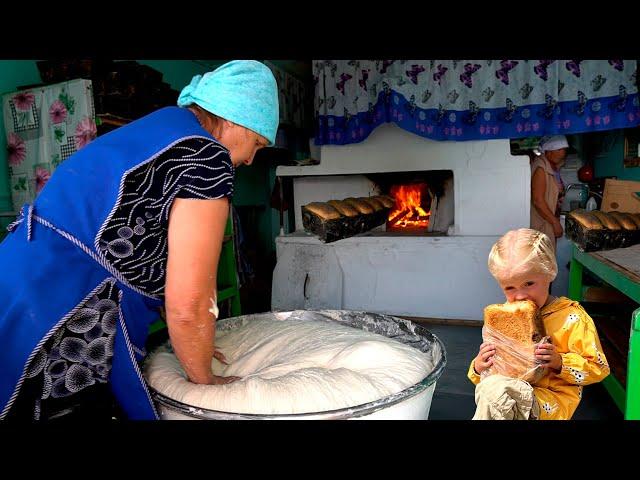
x=574, y=334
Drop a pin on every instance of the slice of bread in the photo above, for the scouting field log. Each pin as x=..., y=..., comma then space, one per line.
x=522, y=326
x=519, y=321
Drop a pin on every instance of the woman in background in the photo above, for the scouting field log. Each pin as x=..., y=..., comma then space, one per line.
x=547, y=188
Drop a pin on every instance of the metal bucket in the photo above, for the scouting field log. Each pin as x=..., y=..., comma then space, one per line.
x=412, y=403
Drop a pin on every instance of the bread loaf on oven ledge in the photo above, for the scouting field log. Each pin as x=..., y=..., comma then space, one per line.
x=360, y=205
x=514, y=328
x=386, y=201
x=323, y=210
x=376, y=204
x=344, y=208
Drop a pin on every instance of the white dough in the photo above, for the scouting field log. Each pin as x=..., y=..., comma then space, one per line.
x=294, y=366
x=214, y=308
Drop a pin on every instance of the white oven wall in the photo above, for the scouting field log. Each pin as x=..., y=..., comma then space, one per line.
x=491, y=187
x=433, y=277
x=439, y=277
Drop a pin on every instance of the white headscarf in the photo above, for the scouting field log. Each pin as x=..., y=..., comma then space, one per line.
x=554, y=142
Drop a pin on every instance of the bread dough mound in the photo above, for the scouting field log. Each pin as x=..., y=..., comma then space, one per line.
x=294, y=366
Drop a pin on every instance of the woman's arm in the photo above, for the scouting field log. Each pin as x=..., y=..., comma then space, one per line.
x=196, y=230
x=538, y=190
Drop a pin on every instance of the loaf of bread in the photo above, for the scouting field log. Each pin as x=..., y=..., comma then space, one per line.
x=514, y=328
x=626, y=222
x=633, y=218
x=607, y=220
x=323, y=210
x=376, y=204
x=586, y=219
x=344, y=208
x=386, y=201
x=362, y=207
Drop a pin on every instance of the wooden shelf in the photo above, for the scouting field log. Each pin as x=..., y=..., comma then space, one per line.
x=109, y=119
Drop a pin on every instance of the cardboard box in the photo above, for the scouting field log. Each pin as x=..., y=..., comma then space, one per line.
x=621, y=195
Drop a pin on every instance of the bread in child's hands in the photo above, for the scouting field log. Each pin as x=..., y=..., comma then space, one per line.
x=514, y=328
x=517, y=320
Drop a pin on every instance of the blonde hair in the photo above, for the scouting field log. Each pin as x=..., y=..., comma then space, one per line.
x=520, y=252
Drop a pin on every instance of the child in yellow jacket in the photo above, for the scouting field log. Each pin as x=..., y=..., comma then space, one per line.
x=524, y=265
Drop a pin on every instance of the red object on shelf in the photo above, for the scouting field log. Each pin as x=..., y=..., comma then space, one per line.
x=585, y=174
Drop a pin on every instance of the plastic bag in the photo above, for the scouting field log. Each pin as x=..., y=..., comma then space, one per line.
x=513, y=359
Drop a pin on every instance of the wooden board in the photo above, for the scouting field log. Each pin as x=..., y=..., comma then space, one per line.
x=624, y=260
x=620, y=195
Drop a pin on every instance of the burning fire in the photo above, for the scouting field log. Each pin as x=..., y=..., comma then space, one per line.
x=408, y=211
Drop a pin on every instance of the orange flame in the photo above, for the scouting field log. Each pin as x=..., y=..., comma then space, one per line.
x=408, y=211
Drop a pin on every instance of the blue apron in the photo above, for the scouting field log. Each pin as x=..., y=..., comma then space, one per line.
x=52, y=263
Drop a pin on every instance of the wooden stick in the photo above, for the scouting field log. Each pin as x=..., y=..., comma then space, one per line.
x=398, y=217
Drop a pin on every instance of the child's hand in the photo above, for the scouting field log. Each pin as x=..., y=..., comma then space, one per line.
x=485, y=357
x=548, y=356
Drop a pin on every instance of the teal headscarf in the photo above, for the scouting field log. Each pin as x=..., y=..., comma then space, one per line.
x=242, y=91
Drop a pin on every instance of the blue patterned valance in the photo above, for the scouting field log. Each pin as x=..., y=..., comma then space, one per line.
x=473, y=99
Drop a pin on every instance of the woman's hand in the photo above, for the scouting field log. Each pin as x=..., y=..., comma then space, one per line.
x=557, y=229
x=548, y=356
x=222, y=380
x=485, y=357
x=215, y=380
x=218, y=355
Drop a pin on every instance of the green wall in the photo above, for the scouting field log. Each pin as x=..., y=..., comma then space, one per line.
x=610, y=163
x=178, y=73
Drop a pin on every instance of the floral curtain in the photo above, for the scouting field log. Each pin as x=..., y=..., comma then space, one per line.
x=44, y=126
x=473, y=99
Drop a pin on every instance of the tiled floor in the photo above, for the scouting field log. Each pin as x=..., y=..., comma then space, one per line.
x=453, y=398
